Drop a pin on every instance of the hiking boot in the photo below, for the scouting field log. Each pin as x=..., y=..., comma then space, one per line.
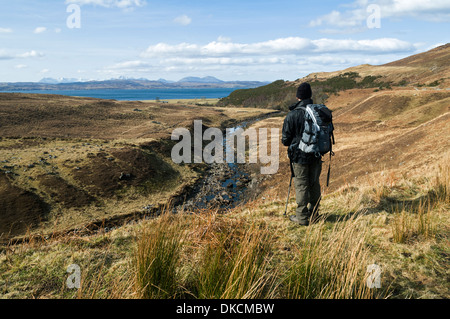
x=296, y=220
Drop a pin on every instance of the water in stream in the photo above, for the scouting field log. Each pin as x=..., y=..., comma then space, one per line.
x=224, y=185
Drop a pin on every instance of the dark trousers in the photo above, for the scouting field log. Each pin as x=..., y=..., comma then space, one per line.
x=307, y=188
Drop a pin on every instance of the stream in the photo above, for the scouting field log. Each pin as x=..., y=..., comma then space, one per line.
x=225, y=185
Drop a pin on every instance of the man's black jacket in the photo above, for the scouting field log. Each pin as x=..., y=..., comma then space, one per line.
x=292, y=133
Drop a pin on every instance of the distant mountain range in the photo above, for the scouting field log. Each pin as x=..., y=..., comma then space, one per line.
x=127, y=83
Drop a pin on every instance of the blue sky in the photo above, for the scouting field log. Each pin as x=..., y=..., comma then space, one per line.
x=231, y=40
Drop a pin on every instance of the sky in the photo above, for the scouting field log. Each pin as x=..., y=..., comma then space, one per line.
x=231, y=40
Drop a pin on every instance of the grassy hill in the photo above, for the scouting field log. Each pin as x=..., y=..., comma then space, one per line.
x=430, y=69
x=69, y=162
x=417, y=70
x=387, y=203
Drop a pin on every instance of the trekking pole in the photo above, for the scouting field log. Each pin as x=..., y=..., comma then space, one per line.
x=289, y=190
x=287, y=199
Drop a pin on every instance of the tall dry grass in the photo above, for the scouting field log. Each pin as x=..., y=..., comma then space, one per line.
x=234, y=264
x=331, y=263
x=417, y=218
x=254, y=253
x=441, y=183
x=221, y=256
x=200, y=257
x=412, y=222
x=157, y=257
x=215, y=257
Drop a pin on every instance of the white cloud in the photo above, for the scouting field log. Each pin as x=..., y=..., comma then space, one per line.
x=290, y=57
x=415, y=7
x=40, y=30
x=282, y=46
x=334, y=18
x=4, y=55
x=122, y=4
x=241, y=61
x=282, y=57
x=6, y=30
x=376, y=46
x=162, y=49
x=183, y=20
x=215, y=48
x=431, y=10
x=129, y=65
x=31, y=54
x=20, y=66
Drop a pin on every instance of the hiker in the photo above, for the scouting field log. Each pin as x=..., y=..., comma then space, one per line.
x=305, y=167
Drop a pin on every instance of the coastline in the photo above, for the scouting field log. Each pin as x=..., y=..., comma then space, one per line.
x=200, y=101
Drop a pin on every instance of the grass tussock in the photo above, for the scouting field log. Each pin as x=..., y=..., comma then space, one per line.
x=234, y=264
x=407, y=225
x=417, y=217
x=157, y=256
x=330, y=265
x=206, y=257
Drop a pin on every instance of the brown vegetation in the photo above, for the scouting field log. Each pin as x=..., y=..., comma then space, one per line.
x=68, y=161
x=387, y=203
x=417, y=70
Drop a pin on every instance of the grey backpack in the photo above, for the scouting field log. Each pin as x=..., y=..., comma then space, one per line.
x=318, y=136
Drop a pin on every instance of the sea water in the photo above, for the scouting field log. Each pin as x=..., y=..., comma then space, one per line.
x=136, y=95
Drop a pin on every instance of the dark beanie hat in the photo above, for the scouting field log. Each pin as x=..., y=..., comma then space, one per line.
x=304, y=91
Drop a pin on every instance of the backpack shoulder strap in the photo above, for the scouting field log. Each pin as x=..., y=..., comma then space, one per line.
x=312, y=116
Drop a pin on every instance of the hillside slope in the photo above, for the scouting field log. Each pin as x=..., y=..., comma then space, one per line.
x=395, y=132
x=66, y=162
x=416, y=70
x=429, y=69
x=387, y=205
